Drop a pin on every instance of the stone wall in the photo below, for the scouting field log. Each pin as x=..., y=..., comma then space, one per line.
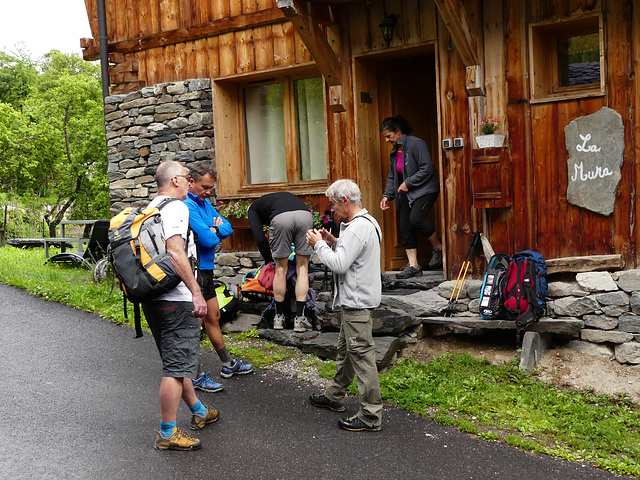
x=608, y=304
x=169, y=121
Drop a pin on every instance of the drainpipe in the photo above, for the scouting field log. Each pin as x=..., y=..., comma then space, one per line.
x=104, y=47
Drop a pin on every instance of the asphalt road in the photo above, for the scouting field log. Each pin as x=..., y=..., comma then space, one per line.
x=78, y=400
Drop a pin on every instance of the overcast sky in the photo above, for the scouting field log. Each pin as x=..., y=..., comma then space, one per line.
x=43, y=25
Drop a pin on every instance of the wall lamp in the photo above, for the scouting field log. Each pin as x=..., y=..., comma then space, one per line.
x=387, y=25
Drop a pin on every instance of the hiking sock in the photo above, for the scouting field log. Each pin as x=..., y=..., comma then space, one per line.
x=224, y=355
x=198, y=409
x=280, y=308
x=299, y=308
x=166, y=429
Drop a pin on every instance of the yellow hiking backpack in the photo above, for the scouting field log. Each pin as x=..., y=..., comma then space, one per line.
x=137, y=251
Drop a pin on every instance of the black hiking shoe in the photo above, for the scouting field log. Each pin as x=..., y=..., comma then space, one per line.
x=319, y=400
x=436, y=259
x=409, y=271
x=355, y=424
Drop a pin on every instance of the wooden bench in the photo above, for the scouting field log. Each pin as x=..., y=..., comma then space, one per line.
x=567, y=327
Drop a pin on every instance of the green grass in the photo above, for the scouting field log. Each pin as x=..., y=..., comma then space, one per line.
x=73, y=286
x=494, y=402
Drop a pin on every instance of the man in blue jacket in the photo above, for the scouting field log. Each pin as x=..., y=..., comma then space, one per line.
x=210, y=228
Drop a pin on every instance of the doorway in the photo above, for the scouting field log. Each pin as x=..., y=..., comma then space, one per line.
x=407, y=86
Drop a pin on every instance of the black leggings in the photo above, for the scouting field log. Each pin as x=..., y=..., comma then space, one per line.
x=413, y=219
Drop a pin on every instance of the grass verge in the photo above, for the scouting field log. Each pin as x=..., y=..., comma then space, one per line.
x=495, y=402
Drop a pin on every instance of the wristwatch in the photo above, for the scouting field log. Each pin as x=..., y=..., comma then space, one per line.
x=217, y=230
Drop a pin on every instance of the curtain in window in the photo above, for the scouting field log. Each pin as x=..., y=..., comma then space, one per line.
x=312, y=150
x=264, y=119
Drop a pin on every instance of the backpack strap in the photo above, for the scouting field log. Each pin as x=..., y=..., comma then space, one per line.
x=374, y=226
x=137, y=319
x=194, y=261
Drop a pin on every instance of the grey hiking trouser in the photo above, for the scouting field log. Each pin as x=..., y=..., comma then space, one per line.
x=357, y=358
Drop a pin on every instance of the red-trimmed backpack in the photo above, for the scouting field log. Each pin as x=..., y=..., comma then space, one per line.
x=525, y=288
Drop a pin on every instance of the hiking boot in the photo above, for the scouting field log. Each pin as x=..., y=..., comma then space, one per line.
x=301, y=324
x=319, y=400
x=204, y=383
x=409, y=272
x=436, y=259
x=198, y=422
x=278, y=322
x=239, y=368
x=178, y=440
x=355, y=424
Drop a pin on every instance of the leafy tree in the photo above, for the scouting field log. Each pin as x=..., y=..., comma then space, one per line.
x=55, y=144
x=17, y=76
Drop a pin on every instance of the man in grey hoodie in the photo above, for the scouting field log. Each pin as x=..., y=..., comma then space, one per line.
x=354, y=259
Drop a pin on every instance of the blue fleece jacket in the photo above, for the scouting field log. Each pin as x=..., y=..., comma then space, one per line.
x=201, y=215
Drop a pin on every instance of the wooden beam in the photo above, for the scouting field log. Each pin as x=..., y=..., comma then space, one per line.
x=475, y=82
x=462, y=32
x=300, y=13
x=585, y=264
x=193, y=32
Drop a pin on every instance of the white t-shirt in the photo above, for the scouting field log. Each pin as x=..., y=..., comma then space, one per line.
x=175, y=221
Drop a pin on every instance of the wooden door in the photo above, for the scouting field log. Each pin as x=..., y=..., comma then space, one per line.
x=407, y=87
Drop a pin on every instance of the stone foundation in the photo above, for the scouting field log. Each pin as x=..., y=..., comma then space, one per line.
x=596, y=312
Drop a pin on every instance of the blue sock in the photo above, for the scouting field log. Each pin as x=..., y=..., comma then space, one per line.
x=198, y=409
x=166, y=429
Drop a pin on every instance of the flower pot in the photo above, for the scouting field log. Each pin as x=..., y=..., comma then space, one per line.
x=490, y=141
x=242, y=238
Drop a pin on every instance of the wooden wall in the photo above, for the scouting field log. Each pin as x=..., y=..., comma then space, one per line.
x=541, y=218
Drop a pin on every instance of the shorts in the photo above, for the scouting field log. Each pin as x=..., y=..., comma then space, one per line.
x=177, y=335
x=287, y=228
x=207, y=284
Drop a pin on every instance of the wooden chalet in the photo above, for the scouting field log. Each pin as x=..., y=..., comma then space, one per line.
x=331, y=77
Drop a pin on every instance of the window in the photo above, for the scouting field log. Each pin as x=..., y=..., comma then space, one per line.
x=567, y=58
x=285, y=140
x=578, y=60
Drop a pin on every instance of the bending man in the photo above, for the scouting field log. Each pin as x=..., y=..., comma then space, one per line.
x=289, y=219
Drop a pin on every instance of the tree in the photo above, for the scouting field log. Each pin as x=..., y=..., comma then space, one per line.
x=56, y=148
x=17, y=76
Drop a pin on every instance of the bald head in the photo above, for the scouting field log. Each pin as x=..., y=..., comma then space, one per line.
x=171, y=178
x=166, y=171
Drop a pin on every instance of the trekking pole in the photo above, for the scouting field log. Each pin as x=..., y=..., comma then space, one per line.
x=464, y=268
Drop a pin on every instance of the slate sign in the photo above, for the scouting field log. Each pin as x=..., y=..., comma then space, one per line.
x=595, y=144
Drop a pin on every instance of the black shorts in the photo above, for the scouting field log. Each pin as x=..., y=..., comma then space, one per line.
x=207, y=284
x=177, y=335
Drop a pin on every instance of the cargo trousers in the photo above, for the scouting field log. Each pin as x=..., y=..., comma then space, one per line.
x=357, y=358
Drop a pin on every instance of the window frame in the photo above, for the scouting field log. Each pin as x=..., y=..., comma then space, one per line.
x=291, y=133
x=543, y=58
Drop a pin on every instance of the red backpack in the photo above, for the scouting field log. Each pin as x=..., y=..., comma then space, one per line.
x=525, y=288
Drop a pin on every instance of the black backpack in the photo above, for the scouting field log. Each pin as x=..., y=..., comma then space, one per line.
x=525, y=288
x=491, y=304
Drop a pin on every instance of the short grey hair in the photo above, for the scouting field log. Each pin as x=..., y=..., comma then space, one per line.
x=166, y=171
x=344, y=188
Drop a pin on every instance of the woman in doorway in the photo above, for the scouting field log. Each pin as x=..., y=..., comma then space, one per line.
x=415, y=187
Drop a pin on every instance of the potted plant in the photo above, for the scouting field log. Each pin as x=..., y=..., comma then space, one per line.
x=490, y=138
x=233, y=208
